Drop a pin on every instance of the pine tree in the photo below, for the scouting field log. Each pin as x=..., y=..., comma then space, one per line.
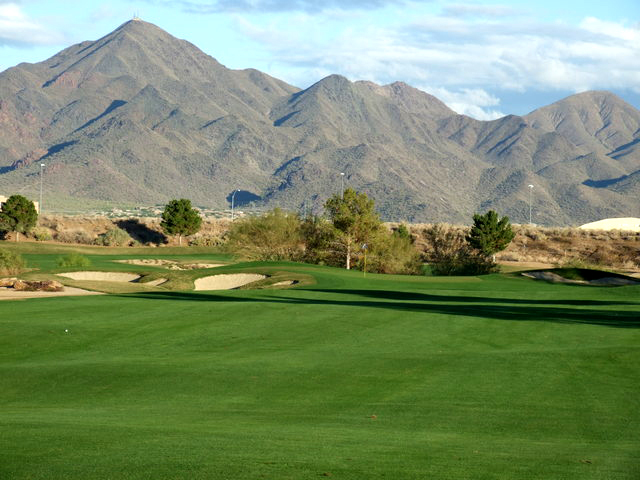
x=180, y=219
x=490, y=234
x=18, y=214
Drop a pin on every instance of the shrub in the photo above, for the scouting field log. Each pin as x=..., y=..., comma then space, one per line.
x=75, y=236
x=276, y=235
x=392, y=253
x=206, y=240
x=114, y=237
x=450, y=254
x=320, y=242
x=11, y=263
x=41, y=234
x=73, y=260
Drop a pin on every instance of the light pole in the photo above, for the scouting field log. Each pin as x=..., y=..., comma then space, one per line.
x=530, y=196
x=40, y=204
x=233, y=195
x=342, y=184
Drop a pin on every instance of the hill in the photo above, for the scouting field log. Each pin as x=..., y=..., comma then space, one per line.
x=140, y=116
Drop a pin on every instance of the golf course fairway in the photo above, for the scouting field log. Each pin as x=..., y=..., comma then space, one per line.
x=346, y=376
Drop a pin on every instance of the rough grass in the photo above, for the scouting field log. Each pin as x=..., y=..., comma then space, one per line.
x=351, y=377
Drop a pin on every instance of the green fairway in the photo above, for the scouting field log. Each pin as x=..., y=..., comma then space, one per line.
x=352, y=377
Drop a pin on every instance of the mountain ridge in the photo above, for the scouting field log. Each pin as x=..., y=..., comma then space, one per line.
x=140, y=116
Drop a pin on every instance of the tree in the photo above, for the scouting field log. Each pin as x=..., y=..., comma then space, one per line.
x=355, y=219
x=180, y=219
x=18, y=214
x=490, y=234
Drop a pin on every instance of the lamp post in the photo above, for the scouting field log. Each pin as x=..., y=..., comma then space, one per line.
x=342, y=184
x=530, y=196
x=40, y=204
x=233, y=195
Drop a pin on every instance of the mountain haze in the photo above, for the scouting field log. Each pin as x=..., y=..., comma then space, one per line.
x=140, y=116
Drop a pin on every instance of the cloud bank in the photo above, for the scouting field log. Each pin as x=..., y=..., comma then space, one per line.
x=461, y=54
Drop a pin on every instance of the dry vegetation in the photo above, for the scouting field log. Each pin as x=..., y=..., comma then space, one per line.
x=562, y=246
x=88, y=230
x=556, y=246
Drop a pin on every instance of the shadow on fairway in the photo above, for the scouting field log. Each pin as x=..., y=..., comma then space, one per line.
x=495, y=308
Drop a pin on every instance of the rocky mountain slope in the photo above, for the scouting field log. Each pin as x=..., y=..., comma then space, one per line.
x=140, y=116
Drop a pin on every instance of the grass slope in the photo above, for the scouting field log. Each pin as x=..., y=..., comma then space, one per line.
x=351, y=377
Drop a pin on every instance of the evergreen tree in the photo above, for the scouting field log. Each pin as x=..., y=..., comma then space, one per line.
x=490, y=234
x=180, y=219
x=355, y=219
x=18, y=214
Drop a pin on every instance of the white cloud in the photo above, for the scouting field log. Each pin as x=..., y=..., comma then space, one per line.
x=253, y=6
x=16, y=28
x=611, y=29
x=476, y=10
x=468, y=101
x=463, y=55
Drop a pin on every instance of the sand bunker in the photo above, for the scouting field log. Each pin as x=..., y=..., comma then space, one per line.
x=11, y=294
x=170, y=264
x=555, y=278
x=102, y=276
x=286, y=283
x=156, y=282
x=227, y=281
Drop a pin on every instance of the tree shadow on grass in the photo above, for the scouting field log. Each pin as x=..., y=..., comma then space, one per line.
x=492, y=308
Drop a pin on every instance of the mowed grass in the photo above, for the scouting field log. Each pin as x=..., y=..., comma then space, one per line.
x=352, y=377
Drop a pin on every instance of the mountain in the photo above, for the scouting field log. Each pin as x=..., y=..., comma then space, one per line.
x=140, y=116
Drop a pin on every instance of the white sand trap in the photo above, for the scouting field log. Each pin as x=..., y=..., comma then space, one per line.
x=629, y=224
x=193, y=266
x=155, y=283
x=102, y=276
x=286, y=283
x=155, y=262
x=170, y=264
x=11, y=294
x=227, y=281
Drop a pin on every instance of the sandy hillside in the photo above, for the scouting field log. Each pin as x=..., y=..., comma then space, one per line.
x=629, y=224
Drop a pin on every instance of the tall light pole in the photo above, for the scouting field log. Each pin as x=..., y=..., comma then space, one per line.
x=530, y=197
x=40, y=204
x=342, y=184
x=233, y=195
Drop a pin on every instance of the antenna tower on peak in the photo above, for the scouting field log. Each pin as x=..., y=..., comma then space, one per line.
x=136, y=17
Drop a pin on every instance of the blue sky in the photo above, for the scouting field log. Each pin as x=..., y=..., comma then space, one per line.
x=484, y=59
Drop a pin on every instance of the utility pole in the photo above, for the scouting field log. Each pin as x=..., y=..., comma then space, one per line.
x=40, y=204
x=530, y=202
x=232, y=204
